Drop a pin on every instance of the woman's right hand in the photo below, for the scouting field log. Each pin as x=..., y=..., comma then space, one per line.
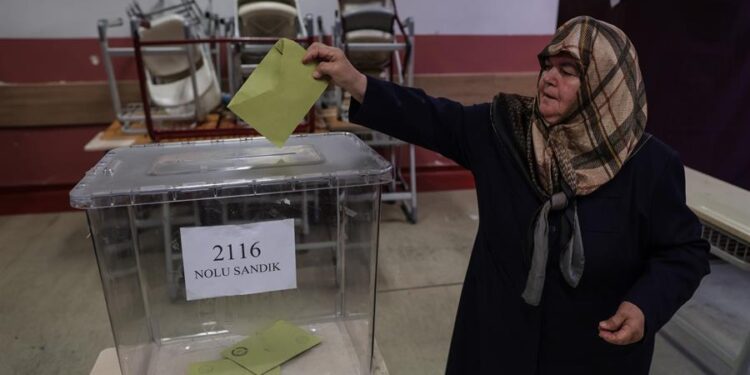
x=332, y=63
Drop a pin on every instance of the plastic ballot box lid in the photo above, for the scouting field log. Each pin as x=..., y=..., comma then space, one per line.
x=168, y=172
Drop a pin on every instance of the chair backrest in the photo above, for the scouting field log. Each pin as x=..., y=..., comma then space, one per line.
x=368, y=17
x=369, y=60
x=170, y=27
x=291, y=3
x=382, y=3
x=268, y=19
x=170, y=83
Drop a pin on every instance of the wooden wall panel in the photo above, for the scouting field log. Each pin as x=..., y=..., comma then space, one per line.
x=75, y=103
x=476, y=88
x=83, y=103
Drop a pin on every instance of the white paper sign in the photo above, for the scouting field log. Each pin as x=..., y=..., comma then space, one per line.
x=231, y=260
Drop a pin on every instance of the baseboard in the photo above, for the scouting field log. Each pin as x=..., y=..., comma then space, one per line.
x=35, y=199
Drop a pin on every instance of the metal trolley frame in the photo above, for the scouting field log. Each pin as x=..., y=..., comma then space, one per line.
x=401, y=190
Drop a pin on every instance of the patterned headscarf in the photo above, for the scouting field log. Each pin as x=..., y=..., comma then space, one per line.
x=589, y=146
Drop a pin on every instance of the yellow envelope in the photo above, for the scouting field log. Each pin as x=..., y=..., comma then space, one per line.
x=271, y=347
x=279, y=92
x=220, y=367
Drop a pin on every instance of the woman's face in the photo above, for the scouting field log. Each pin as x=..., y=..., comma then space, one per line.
x=558, y=87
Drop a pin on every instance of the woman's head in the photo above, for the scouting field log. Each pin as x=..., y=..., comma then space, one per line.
x=590, y=63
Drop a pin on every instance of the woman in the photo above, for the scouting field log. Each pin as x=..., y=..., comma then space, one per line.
x=585, y=246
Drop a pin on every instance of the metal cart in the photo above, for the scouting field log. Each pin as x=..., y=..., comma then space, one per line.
x=380, y=17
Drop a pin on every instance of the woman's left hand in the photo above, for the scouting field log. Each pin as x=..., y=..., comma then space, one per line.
x=625, y=327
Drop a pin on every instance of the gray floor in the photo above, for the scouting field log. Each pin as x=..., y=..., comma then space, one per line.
x=53, y=318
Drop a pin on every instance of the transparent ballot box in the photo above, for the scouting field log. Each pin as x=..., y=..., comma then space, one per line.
x=203, y=244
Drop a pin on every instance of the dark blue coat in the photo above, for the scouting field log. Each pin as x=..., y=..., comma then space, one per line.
x=642, y=244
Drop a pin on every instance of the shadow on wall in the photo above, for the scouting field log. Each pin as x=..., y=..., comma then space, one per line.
x=696, y=63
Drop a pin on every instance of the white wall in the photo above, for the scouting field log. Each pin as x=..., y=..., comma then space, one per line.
x=481, y=17
x=77, y=18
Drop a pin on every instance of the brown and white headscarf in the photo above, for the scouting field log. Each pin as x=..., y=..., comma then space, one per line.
x=588, y=146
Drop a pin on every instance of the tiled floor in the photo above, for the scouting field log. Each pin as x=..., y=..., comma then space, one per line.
x=53, y=318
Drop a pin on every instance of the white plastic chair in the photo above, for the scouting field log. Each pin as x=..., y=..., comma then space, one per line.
x=168, y=76
x=268, y=19
x=368, y=22
x=369, y=61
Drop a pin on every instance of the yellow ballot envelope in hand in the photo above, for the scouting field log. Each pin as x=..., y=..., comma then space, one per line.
x=278, y=94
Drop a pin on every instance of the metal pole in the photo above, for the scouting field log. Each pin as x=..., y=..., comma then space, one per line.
x=308, y=26
x=217, y=58
x=341, y=223
x=337, y=42
x=395, y=163
x=306, y=32
x=320, y=29
x=230, y=67
x=142, y=282
x=399, y=69
x=215, y=49
x=114, y=94
x=410, y=68
x=305, y=214
x=236, y=18
x=413, y=178
x=142, y=78
x=367, y=47
x=193, y=81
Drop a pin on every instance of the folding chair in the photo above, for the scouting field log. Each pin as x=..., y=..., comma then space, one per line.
x=178, y=90
x=268, y=19
x=170, y=78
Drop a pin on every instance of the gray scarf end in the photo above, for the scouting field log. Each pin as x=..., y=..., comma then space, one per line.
x=571, y=259
x=532, y=296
